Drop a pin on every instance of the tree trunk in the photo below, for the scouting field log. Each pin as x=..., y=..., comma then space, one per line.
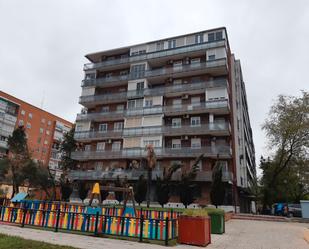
x=149, y=178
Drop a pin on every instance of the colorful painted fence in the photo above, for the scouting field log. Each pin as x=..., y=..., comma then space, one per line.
x=136, y=227
x=106, y=210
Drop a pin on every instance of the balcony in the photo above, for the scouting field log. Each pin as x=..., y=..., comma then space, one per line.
x=213, y=129
x=100, y=116
x=134, y=174
x=214, y=67
x=92, y=100
x=223, y=152
x=168, y=91
x=96, y=135
x=185, y=50
x=216, y=106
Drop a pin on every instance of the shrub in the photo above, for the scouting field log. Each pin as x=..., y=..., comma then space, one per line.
x=195, y=212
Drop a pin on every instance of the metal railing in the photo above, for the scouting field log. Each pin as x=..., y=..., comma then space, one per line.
x=156, y=54
x=210, y=128
x=156, y=91
x=135, y=174
x=223, y=151
x=169, y=71
x=168, y=110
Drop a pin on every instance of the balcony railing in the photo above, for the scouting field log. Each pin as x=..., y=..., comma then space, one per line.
x=156, y=54
x=168, y=72
x=222, y=105
x=135, y=174
x=184, y=152
x=197, y=107
x=157, y=91
x=211, y=128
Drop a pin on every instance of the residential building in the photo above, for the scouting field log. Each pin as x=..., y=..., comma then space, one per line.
x=44, y=130
x=185, y=95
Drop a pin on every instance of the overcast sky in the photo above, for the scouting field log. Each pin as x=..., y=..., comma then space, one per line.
x=43, y=43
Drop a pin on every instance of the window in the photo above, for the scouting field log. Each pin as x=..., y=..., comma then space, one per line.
x=154, y=143
x=28, y=125
x=211, y=37
x=195, y=121
x=43, y=120
x=176, y=102
x=120, y=108
x=176, y=122
x=160, y=45
x=116, y=146
x=135, y=103
x=87, y=147
x=48, y=132
x=118, y=126
x=21, y=122
x=39, y=140
x=199, y=38
x=215, y=36
x=108, y=75
x=124, y=72
x=41, y=130
x=138, y=71
x=105, y=108
x=140, y=86
x=30, y=115
x=49, y=123
x=211, y=57
x=101, y=146
x=90, y=76
x=219, y=35
x=45, y=142
x=195, y=101
x=176, y=143
x=195, y=143
x=102, y=127
x=172, y=43
x=195, y=61
x=148, y=102
x=23, y=112
x=79, y=127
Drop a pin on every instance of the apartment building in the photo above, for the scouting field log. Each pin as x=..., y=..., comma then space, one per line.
x=44, y=130
x=185, y=95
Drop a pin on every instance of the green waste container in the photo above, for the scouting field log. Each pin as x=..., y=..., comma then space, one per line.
x=217, y=223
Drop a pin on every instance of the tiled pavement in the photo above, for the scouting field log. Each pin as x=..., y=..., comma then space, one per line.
x=240, y=234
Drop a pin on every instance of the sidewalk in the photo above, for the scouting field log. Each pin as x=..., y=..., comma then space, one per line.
x=240, y=234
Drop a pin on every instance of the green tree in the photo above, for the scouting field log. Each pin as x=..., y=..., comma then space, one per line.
x=287, y=130
x=140, y=190
x=19, y=156
x=217, y=192
x=67, y=146
x=163, y=185
x=186, y=188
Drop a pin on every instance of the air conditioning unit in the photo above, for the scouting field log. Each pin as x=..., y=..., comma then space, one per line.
x=170, y=62
x=109, y=141
x=187, y=60
x=184, y=137
x=185, y=96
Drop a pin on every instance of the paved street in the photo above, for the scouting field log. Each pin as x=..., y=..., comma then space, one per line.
x=240, y=234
